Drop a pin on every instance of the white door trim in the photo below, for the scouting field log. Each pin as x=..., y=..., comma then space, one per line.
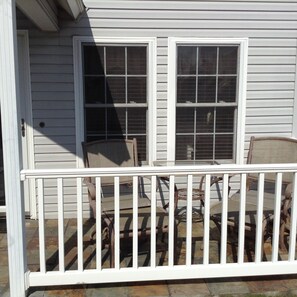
x=26, y=103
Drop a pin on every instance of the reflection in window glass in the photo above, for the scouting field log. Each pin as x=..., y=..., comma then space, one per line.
x=206, y=102
x=115, y=93
x=186, y=89
x=186, y=59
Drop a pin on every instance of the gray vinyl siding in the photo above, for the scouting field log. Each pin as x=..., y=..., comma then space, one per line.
x=271, y=27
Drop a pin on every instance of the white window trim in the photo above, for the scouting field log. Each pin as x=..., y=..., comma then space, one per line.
x=242, y=78
x=151, y=89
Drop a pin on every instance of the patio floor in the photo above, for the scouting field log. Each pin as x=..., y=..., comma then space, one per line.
x=251, y=286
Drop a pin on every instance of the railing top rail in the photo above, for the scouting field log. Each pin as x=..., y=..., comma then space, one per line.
x=158, y=170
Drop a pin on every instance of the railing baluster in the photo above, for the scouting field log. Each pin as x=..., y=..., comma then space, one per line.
x=259, y=219
x=189, y=221
x=293, y=227
x=276, y=220
x=241, y=231
x=171, y=248
x=206, y=220
x=116, y=222
x=41, y=225
x=224, y=219
x=153, y=221
x=79, y=225
x=61, y=224
x=135, y=222
x=98, y=224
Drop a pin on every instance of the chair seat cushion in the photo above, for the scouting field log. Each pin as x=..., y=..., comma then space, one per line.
x=144, y=219
x=250, y=207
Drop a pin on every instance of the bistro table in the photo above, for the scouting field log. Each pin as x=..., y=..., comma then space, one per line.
x=198, y=193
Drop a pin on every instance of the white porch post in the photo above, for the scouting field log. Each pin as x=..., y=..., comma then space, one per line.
x=9, y=97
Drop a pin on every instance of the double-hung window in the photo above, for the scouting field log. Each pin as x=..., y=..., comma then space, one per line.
x=208, y=101
x=116, y=93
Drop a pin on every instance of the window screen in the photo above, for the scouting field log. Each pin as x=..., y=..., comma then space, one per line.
x=115, y=93
x=206, y=102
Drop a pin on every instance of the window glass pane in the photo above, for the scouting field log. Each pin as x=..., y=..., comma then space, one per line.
x=93, y=59
x=206, y=89
x=205, y=120
x=137, y=120
x=116, y=121
x=204, y=147
x=95, y=120
x=94, y=89
x=136, y=60
x=186, y=89
x=227, y=89
x=186, y=59
x=116, y=90
x=207, y=60
x=228, y=60
x=185, y=120
x=115, y=60
x=137, y=89
x=224, y=147
x=184, y=147
x=225, y=119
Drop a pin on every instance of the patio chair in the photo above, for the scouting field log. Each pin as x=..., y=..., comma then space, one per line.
x=262, y=150
x=119, y=153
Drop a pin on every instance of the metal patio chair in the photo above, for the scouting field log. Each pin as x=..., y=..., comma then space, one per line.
x=119, y=153
x=262, y=150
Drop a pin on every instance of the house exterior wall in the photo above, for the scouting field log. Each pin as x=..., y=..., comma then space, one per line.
x=270, y=26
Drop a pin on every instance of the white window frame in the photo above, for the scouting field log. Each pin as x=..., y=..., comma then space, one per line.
x=242, y=43
x=151, y=43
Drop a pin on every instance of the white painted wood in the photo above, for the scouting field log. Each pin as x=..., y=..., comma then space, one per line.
x=26, y=114
x=276, y=218
x=189, y=221
x=223, y=254
x=80, y=250
x=61, y=224
x=259, y=219
x=98, y=224
x=241, y=230
x=41, y=13
x=41, y=226
x=293, y=227
x=162, y=273
x=168, y=272
x=171, y=247
x=9, y=100
x=206, y=220
x=153, y=220
x=73, y=7
x=117, y=222
x=135, y=222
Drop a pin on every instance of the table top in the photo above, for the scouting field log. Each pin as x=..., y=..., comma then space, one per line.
x=185, y=163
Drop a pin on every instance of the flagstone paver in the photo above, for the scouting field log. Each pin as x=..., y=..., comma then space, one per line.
x=251, y=286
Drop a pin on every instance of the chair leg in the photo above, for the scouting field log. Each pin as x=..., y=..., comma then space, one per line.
x=111, y=247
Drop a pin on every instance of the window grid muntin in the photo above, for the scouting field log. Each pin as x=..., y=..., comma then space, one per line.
x=215, y=104
x=127, y=105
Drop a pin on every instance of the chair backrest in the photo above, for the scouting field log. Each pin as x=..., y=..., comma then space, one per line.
x=272, y=150
x=111, y=153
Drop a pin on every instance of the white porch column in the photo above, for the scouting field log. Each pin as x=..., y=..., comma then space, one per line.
x=9, y=98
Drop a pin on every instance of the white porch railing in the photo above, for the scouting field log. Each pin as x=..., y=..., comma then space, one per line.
x=169, y=270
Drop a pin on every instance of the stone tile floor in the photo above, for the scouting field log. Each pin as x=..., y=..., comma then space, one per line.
x=251, y=286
